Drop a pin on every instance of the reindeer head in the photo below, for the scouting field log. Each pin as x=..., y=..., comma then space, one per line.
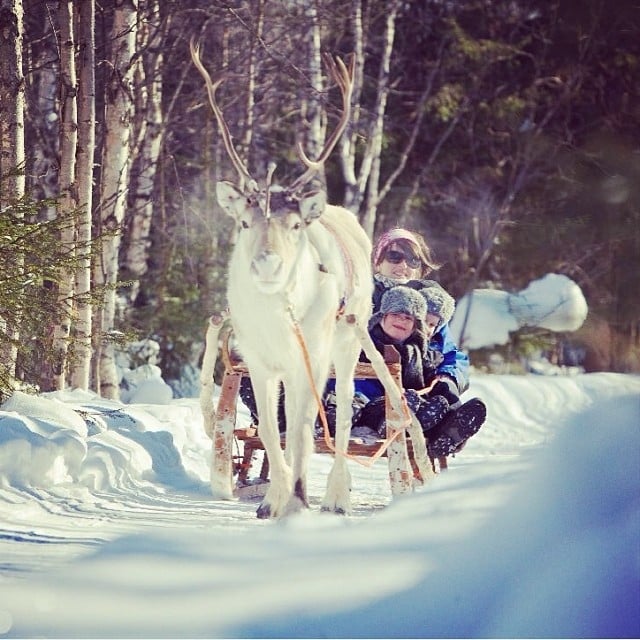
x=272, y=220
x=271, y=234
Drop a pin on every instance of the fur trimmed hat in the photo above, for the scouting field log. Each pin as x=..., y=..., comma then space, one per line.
x=401, y=299
x=439, y=302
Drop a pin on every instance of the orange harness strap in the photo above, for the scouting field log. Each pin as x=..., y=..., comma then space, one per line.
x=365, y=462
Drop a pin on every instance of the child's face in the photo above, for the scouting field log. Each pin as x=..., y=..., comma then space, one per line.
x=398, y=326
x=431, y=324
x=390, y=267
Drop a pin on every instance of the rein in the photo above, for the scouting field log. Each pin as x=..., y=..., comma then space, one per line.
x=365, y=462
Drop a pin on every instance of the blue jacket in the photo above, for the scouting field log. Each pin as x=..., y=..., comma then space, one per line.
x=455, y=364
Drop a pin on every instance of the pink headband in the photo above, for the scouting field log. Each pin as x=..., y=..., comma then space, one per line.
x=389, y=237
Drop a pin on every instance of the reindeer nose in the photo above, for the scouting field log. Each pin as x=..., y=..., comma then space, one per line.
x=267, y=265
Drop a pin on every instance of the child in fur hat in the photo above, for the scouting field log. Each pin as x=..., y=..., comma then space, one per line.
x=451, y=433
x=401, y=322
x=408, y=319
x=440, y=307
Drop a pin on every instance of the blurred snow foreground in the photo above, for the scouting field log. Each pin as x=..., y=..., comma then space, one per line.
x=554, y=302
x=109, y=530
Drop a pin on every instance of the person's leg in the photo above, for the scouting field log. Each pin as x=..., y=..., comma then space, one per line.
x=248, y=398
x=457, y=427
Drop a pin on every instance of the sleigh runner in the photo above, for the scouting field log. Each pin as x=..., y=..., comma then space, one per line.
x=235, y=448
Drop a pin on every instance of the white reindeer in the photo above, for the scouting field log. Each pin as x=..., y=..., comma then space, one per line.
x=299, y=280
x=298, y=262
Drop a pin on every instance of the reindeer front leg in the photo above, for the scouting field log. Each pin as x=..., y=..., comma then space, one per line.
x=338, y=494
x=301, y=413
x=280, y=488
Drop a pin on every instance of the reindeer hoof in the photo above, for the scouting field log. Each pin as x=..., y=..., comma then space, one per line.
x=264, y=511
x=300, y=493
x=337, y=510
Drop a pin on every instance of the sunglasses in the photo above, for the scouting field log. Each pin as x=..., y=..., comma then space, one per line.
x=396, y=257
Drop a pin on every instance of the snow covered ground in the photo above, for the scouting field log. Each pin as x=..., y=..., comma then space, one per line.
x=107, y=528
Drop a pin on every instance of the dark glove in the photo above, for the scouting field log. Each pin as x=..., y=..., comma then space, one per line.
x=432, y=359
x=446, y=388
x=372, y=415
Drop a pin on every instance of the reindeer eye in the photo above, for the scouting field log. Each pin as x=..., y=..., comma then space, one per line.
x=296, y=226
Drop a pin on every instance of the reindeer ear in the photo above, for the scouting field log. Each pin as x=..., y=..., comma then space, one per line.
x=230, y=199
x=312, y=205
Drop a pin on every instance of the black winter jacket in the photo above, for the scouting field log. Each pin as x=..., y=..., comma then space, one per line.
x=454, y=363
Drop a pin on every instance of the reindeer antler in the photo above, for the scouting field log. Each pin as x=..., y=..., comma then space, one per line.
x=343, y=77
x=212, y=87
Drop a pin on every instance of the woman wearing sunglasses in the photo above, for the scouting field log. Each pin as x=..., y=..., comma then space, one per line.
x=401, y=256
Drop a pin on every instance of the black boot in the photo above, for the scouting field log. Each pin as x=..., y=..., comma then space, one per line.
x=452, y=433
x=431, y=411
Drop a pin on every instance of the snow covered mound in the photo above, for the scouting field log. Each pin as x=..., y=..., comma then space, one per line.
x=89, y=442
x=486, y=317
x=488, y=322
x=554, y=302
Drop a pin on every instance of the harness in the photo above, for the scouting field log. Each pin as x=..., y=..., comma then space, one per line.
x=349, y=271
x=348, y=266
x=365, y=462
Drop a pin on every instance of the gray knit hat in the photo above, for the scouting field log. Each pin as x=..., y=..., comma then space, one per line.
x=439, y=302
x=401, y=299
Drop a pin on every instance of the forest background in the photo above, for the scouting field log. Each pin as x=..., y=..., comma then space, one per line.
x=506, y=132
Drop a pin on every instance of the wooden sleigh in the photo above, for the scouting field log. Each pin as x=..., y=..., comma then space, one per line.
x=235, y=449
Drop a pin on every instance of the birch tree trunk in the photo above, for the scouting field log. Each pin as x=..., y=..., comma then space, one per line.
x=313, y=115
x=81, y=365
x=67, y=200
x=148, y=131
x=115, y=170
x=369, y=177
x=250, y=105
x=363, y=186
x=46, y=149
x=12, y=101
x=12, y=154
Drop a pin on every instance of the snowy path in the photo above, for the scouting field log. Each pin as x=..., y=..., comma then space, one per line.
x=115, y=534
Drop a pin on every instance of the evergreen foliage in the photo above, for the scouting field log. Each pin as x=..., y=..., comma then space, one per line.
x=32, y=261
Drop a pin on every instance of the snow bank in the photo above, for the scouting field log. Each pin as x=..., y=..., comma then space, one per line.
x=76, y=439
x=488, y=316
